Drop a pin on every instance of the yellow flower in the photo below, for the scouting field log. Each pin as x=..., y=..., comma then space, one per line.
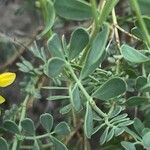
x=5, y=80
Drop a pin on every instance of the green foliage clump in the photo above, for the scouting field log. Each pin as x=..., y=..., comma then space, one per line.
x=106, y=79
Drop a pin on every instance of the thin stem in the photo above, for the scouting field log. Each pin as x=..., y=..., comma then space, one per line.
x=143, y=27
x=111, y=109
x=54, y=88
x=38, y=137
x=101, y=5
x=127, y=33
x=107, y=8
x=23, y=113
x=115, y=29
x=143, y=71
x=73, y=111
x=144, y=74
x=86, y=143
x=95, y=14
x=74, y=118
x=114, y=18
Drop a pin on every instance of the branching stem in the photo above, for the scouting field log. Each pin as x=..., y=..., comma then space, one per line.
x=87, y=96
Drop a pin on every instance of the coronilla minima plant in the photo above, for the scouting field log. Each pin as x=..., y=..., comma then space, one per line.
x=97, y=73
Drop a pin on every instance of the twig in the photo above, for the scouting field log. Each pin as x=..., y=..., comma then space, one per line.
x=115, y=29
x=114, y=18
x=127, y=33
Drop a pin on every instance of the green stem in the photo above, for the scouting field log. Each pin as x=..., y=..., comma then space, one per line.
x=144, y=74
x=111, y=109
x=38, y=137
x=142, y=25
x=24, y=108
x=95, y=14
x=109, y=5
x=45, y=15
x=87, y=96
x=23, y=113
x=115, y=23
x=73, y=111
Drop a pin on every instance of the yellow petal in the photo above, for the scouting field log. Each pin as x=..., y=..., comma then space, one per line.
x=2, y=100
x=7, y=79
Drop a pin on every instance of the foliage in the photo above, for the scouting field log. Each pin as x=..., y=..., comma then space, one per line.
x=103, y=75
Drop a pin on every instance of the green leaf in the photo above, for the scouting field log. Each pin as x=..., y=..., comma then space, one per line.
x=79, y=40
x=57, y=144
x=140, y=82
x=55, y=46
x=110, y=89
x=96, y=52
x=54, y=67
x=137, y=29
x=146, y=88
x=11, y=127
x=145, y=130
x=103, y=138
x=128, y=145
x=55, y=88
x=73, y=9
x=138, y=125
x=47, y=121
x=125, y=123
x=66, y=109
x=75, y=97
x=133, y=55
x=43, y=55
x=148, y=78
x=116, y=111
x=146, y=140
x=119, y=117
x=97, y=128
x=110, y=134
x=144, y=6
x=36, y=146
x=28, y=126
x=137, y=32
x=23, y=67
x=47, y=7
x=3, y=144
x=136, y=101
x=62, y=128
x=39, y=52
x=96, y=117
x=28, y=64
x=56, y=98
x=119, y=131
x=88, y=123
